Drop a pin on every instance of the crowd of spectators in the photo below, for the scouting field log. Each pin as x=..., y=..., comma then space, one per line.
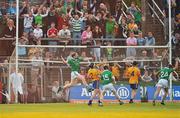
x=80, y=22
x=67, y=22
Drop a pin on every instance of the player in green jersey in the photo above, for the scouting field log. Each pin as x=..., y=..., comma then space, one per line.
x=73, y=61
x=107, y=80
x=164, y=75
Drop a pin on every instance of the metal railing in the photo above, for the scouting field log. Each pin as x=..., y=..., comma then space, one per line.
x=156, y=10
x=155, y=13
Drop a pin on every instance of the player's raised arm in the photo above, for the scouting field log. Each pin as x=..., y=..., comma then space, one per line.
x=87, y=58
x=177, y=63
x=64, y=61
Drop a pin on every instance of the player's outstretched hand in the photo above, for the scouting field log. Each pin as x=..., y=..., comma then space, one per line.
x=177, y=59
x=64, y=62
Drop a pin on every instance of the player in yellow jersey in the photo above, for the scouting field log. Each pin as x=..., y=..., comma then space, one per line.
x=94, y=75
x=115, y=69
x=134, y=74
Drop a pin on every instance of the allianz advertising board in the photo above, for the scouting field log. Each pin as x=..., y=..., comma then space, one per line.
x=81, y=93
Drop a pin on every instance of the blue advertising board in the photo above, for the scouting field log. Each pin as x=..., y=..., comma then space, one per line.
x=80, y=93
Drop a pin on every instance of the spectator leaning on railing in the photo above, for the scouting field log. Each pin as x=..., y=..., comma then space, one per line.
x=140, y=41
x=52, y=33
x=64, y=34
x=150, y=41
x=87, y=36
x=38, y=33
x=10, y=30
x=22, y=51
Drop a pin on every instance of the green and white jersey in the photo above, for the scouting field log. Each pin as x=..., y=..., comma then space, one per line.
x=106, y=77
x=165, y=73
x=74, y=63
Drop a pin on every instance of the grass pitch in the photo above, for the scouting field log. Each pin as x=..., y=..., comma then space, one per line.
x=67, y=110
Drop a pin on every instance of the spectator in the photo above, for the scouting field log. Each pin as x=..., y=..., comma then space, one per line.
x=28, y=22
x=140, y=40
x=91, y=20
x=12, y=9
x=150, y=41
x=76, y=22
x=131, y=41
x=110, y=26
x=97, y=51
x=176, y=44
x=10, y=30
x=102, y=8
x=55, y=95
x=123, y=27
x=101, y=22
x=25, y=8
x=177, y=23
x=87, y=36
x=143, y=57
x=109, y=52
x=64, y=34
x=97, y=32
x=132, y=9
x=38, y=33
x=39, y=16
x=52, y=33
x=3, y=9
x=132, y=25
x=62, y=20
x=51, y=17
x=138, y=17
x=136, y=31
x=22, y=52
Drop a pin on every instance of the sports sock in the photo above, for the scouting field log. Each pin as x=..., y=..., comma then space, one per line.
x=99, y=101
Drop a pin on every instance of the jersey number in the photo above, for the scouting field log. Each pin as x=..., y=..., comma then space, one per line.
x=164, y=74
x=105, y=77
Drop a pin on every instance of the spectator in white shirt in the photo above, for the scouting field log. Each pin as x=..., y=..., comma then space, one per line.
x=28, y=20
x=17, y=80
x=38, y=33
x=64, y=34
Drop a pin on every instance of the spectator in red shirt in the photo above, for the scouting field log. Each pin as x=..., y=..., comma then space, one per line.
x=62, y=19
x=52, y=33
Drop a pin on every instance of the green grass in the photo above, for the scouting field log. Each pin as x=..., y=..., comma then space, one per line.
x=67, y=110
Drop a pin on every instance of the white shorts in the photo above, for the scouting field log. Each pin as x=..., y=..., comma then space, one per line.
x=162, y=83
x=18, y=90
x=109, y=87
x=74, y=74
